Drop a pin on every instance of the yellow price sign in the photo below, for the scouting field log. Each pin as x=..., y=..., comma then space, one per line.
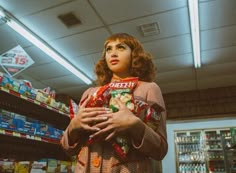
x=16, y=134
x=2, y=131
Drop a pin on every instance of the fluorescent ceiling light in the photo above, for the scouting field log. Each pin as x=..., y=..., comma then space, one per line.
x=25, y=32
x=194, y=22
x=2, y=15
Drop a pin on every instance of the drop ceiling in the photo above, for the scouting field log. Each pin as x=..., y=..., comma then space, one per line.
x=82, y=45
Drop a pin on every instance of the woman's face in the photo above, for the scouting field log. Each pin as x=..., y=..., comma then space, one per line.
x=118, y=58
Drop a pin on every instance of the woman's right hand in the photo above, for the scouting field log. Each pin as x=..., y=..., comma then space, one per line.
x=86, y=118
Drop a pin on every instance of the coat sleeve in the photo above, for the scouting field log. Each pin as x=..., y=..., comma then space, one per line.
x=154, y=142
x=75, y=148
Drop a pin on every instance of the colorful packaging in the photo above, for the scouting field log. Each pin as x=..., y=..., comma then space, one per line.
x=73, y=108
x=22, y=167
x=100, y=98
x=123, y=90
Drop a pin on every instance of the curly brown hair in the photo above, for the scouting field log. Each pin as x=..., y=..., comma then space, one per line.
x=142, y=65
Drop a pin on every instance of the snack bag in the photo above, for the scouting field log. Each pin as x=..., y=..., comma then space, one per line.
x=122, y=90
x=100, y=97
x=149, y=114
x=73, y=108
x=125, y=96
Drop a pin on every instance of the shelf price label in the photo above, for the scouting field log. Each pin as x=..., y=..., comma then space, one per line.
x=29, y=137
x=37, y=138
x=16, y=134
x=2, y=131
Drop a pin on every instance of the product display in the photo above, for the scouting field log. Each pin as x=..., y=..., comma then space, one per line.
x=189, y=152
x=30, y=129
x=205, y=151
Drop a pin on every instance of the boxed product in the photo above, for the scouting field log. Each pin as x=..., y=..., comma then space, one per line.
x=9, y=83
x=41, y=96
x=7, y=120
x=7, y=167
x=34, y=126
x=39, y=167
x=52, y=165
x=22, y=167
x=25, y=88
x=65, y=166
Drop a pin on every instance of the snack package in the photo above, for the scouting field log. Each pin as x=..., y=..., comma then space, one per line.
x=100, y=98
x=125, y=96
x=150, y=114
x=122, y=90
x=22, y=167
x=73, y=108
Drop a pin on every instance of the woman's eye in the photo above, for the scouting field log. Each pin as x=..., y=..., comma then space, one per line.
x=108, y=49
x=121, y=47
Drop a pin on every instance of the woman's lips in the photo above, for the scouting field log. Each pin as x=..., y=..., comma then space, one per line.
x=114, y=62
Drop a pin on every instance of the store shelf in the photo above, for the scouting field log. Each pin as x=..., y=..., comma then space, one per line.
x=21, y=146
x=17, y=103
x=28, y=149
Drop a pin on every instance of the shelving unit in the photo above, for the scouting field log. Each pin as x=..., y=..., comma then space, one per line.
x=230, y=155
x=205, y=151
x=189, y=152
x=27, y=147
x=17, y=103
x=215, y=153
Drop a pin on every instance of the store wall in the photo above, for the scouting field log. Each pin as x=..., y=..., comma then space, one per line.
x=169, y=164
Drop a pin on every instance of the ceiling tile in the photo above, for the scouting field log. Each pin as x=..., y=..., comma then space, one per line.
x=10, y=39
x=211, y=18
x=218, y=38
x=216, y=70
x=47, y=25
x=217, y=56
x=25, y=7
x=38, y=56
x=174, y=63
x=176, y=76
x=47, y=71
x=169, y=47
x=81, y=44
x=87, y=63
x=116, y=13
x=178, y=24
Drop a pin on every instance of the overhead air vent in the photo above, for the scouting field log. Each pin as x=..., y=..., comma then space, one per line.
x=69, y=19
x=150, y=29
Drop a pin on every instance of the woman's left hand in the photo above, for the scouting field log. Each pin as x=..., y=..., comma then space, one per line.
x=123, y=121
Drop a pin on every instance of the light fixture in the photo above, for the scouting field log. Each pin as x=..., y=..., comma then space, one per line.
x=194, y=22
x=34, y=39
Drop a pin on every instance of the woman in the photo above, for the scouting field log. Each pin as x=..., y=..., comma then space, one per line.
x=128, y=138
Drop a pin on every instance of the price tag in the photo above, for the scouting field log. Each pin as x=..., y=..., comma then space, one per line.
x=16, y=134
x=37, y=138
x=188, y=133
x=23, y=97
x=2, y=131
x=218, y=132
x=36, y=102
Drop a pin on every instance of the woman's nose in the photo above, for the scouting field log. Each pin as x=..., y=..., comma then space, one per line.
x=114, y=53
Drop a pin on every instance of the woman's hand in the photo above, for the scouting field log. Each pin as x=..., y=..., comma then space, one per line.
x=85, y=120
x=123, y=121
x=87, y=117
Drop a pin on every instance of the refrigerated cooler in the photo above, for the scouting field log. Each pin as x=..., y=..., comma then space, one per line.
x=205, y=151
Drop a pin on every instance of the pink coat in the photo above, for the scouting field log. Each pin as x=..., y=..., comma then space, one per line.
x=145, y=158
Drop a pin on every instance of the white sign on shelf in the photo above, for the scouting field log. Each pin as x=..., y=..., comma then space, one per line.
x=15, y=60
